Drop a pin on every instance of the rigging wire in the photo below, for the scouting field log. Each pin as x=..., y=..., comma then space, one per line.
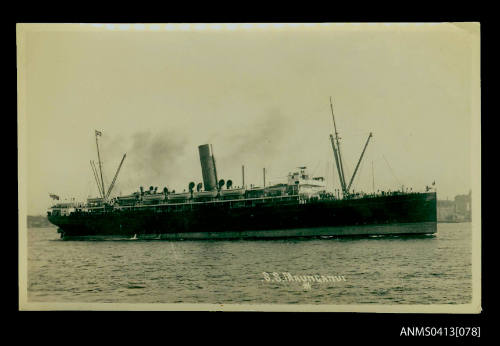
x=362, y=164
x=346, y=170
x=399, y=183
x=316, y=168
x=89, y=186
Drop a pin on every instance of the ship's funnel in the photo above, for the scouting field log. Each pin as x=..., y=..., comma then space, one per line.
x=208, y=169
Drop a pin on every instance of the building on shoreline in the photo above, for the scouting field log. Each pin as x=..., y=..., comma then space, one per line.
x=457, y=210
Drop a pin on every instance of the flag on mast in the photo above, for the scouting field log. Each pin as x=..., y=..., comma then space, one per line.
x=98, y=133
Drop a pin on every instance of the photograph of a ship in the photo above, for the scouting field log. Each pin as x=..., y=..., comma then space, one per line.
x=279, y=167
x=299, y=208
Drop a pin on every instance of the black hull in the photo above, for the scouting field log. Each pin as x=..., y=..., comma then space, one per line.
x=412, y=214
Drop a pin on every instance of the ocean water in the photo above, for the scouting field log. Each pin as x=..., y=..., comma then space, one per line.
x=377, y=270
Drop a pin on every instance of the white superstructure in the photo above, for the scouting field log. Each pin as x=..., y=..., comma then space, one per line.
x=307, y=186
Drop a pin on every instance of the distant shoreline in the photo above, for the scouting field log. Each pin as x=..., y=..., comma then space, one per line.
x=38, y=221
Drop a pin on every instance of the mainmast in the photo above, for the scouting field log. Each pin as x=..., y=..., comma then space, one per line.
x=338, y=156
x=99, y=133
x=337, y=153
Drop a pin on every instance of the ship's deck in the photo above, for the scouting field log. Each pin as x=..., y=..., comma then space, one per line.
x=225, y=203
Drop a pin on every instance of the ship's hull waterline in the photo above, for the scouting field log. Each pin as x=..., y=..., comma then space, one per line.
x=415, y=229
x=408, y=214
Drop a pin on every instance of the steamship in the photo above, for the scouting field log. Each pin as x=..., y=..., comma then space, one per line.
x=215, y=209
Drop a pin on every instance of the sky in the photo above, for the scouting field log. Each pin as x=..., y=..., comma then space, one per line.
x=258, y=93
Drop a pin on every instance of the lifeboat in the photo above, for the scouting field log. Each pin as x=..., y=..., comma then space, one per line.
x=233, y=193
x=126, y=200
x=97, y=200
x=178, y=197
x=205, y=194
x=154, y=198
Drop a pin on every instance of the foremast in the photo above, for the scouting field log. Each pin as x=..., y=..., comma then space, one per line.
x=100, y=183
